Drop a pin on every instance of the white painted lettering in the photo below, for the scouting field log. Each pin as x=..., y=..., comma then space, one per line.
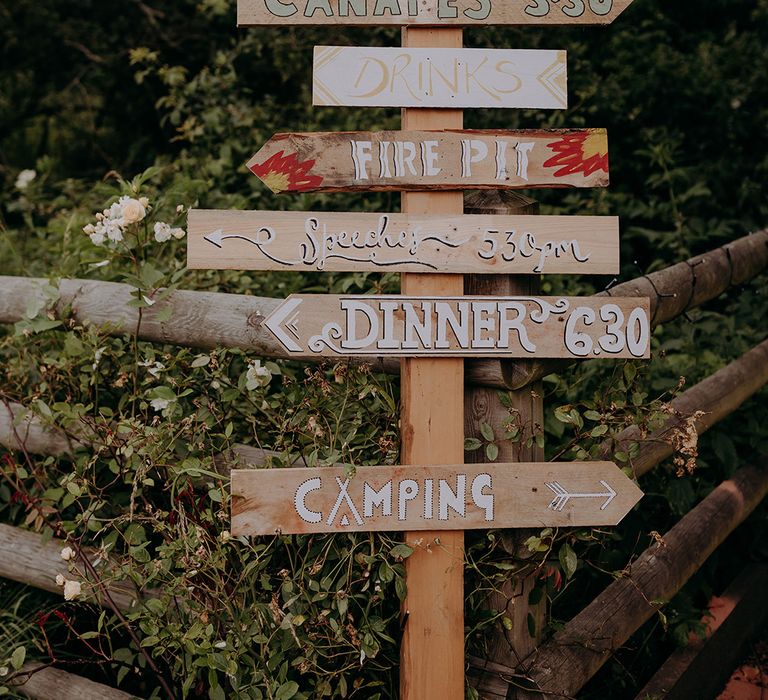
x=483, y=322
x=377, y=499
x=361, y=155
x=407, y=490
x=307, y=515
x=506, y=325
x=351, y=341
x=460, y=326
x=480, y=499
x=447, y=498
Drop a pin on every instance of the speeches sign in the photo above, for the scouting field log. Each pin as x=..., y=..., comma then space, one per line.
x=428, y=12
x=462, y=497
x=433, y=160
x=398, y=77
x=290, y=240
x=532, y=327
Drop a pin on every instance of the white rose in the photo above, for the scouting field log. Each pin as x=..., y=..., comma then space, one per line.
x=60, y=580
x=178, y=232
x=133, y=211
x=98, y=238
x=67, y=553
x=162, y=232
x=114, y=232
x=72, y=589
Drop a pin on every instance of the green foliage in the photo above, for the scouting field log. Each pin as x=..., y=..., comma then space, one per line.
x=175, y=93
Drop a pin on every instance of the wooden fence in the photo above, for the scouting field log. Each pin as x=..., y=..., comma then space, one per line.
x=556, y=668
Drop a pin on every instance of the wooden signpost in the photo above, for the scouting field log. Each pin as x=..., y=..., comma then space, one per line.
x=462, y=497
x=433, y=160
x=428, y=12
x=407, y=77
x=432, y=325
x=291, y=240
x=462, y=326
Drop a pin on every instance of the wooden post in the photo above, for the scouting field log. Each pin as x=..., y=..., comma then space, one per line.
x=432, y=429
x=483, y=405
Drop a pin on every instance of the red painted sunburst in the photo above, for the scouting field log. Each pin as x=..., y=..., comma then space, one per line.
x=585, y=152
x=285, y=173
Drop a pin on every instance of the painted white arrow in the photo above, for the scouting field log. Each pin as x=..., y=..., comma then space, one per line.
x=562, y=496
x=279, y=320
x=217, y=236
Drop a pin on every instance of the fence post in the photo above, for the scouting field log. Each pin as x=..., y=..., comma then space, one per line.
x=483, y=405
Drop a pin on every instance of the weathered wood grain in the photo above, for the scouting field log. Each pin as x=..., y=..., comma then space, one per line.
x=354, y=76
x=371, y=242
x=432, y=160
x=427, y=12
x=462, y=326
x=562, y=666
x=54, y=684
x=431, y=432
x=456, y=497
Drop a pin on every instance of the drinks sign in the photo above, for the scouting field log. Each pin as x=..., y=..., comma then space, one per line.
x=433, y=160
x=532, y=327
x=428, y=12
x=463, y=497
x=392, y=77
x=264, y=240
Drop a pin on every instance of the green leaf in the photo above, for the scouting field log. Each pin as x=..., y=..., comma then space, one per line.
x=568, y=560
x=287, y=690
x=18, y=656
x=599, y=430
x=491, y=451
x=487, y=431
x=402, y=551
x=471, y=444
x=201, y=361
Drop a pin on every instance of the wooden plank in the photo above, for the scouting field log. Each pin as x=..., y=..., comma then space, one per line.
x=411, y=326
x=428, y=12
x=700, y=669
x=431, y=420
x=426, y=160
x=458, y=497
x=292, y=240
x=356, y=76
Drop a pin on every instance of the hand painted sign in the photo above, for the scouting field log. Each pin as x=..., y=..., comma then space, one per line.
x=397, y=77
x=533, y=327
x=266, y=240
x=427, y=160
x=428, y=12
x=463, y=497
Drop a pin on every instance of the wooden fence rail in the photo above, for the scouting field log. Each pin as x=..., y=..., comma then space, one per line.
x=53, y=683
x=210, y=319
x=562, y=666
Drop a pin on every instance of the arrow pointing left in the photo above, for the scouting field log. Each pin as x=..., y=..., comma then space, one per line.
x=284, y=318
